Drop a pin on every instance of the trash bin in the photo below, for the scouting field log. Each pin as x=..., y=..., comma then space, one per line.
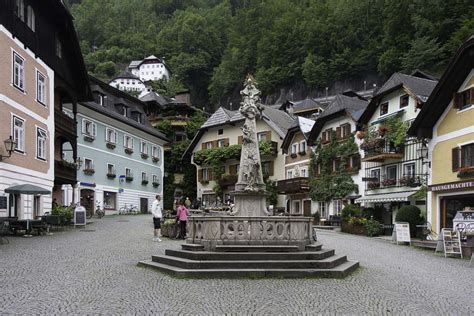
x=80, y=216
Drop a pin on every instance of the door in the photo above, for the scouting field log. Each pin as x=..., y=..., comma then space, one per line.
x=87, y=200
x=307, y=208
x=143, y=205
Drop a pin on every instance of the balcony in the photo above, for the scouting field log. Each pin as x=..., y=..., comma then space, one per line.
x=380, y=149
x=227, y=181
x=64, y=125
x=294, y=185
x=64, y=172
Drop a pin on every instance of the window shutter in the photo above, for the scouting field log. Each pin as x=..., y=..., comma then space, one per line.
x=226, y=142
x=200, y=175
x=455, y=156
x=215, y=144
x=338, y=132
x=472, y=95
x=240, y=140
x=203, y=146
x=268, y=135
x=270, y=168
x=83, y=126
x=456, y=100
x=94, y=129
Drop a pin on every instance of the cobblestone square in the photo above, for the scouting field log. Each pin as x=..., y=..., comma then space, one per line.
x=95, y=271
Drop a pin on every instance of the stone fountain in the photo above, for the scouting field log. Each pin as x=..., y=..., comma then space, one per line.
x=249, y=241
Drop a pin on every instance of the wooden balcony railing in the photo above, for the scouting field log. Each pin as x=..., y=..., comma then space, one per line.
x=294, y=185
x=64, y=173
x=381, y=149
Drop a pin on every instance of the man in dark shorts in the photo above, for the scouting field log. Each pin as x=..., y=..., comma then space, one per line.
x=157, y=215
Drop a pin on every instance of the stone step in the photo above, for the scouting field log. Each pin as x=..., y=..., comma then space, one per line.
x=256, y=248
x=192, y=247
x=314, y=247
x=340, y=271
x=184, y=263
x=211, y=255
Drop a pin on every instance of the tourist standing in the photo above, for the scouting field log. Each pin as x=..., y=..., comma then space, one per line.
x=157, y=215
x=187, y=203
x=182, y=215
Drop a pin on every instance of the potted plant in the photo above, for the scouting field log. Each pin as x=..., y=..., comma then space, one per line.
x=144, y=156
x=144, y=182
x=89, y=171
x=89, y=138
x=129, y=178
x=128, y=151
x=155, y=184
x=110, y=145
x=111, y=175
x=373, y=185
x=155, y=159
x=466, y=172
x=389, y=182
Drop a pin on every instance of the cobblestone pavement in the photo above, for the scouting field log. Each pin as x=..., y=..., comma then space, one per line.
x=95, y=271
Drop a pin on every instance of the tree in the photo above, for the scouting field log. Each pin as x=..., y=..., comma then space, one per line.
x=424, y=53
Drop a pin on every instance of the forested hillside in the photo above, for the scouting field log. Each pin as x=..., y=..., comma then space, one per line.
x=210, y=45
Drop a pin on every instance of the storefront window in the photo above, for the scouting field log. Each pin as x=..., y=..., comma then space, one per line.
x=110, y=200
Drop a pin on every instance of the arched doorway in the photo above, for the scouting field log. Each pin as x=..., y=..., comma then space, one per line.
x=87, y=200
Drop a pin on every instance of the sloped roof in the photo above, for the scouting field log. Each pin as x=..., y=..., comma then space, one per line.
x=134, y=63
x=153, y=96
x=342, y=105
x=458, y=69
x=420, y=88
x=305, y=105
x=278, y=120
x=301, y=124
x=126, y=75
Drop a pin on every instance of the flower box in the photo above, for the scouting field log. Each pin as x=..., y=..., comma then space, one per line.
x=155, y=159
x=144, y=182
x=128, y=151
x=155, y=184
x=373, y=185
x=408, y=181
x=89, y=138
x=372, y=143
x=466, y=172
x=144, y=156
x=302, y=153
x=111, y=175
x=129, y=179
x=89, y=172
x=111, y=145
x=389, y=182
x=293, y=155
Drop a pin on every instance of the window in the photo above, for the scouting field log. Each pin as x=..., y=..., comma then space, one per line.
x=30, y=21
x=59, y=47
x=337, y=207
x=392, y=172
x=128, y=141
x=384, y=108
x=110, y=136
x=89, y=128
x=303, y=147
x=123, y=110
x=154, y=178
x=355, y=162
x=128, y=172
x=144, y=176
x=322, y=209
x=18, y=72
x=110, y=169
x=208, y=145
x=289, y=174
x=205, y=174
x=464, y=99
x=20, y=9
x=375, y=174
x=40, y=88
x=110, y=199
x=88, y=164
x=336, y=164
x=19, y=134
x=296, y=206
x=100, y=98
x=262, y=136
x=409, y=170
x=467, y=156
x=404, y=101
x=37, y=206
x=326, y=136
x=304, y=173
x=220, y=131
x=40, y=143
x=156, y=152
x=221, y=143
x=345, y=131
x=143, y=148
x=294, y=149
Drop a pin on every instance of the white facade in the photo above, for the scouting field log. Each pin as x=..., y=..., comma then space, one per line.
x=150, y=68
x=130, y=84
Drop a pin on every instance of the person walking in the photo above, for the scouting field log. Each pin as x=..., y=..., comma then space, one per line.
x=157, y=215
x=182, y=215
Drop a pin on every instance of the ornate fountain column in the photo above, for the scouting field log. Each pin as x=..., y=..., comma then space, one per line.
x=249, y=191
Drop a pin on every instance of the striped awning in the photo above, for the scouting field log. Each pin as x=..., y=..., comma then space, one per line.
x=387, y=197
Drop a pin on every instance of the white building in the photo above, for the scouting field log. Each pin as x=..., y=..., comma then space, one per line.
x=151, y=68
x=129, y=82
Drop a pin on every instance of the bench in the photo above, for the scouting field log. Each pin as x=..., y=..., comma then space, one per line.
x=28, y=226
x=334, y=220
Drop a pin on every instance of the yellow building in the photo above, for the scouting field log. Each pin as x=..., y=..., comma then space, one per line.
x=448, y=121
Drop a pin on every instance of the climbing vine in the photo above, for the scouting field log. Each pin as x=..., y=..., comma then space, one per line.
x=329, y=184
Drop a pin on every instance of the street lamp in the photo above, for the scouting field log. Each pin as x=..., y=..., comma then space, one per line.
x=10, y=145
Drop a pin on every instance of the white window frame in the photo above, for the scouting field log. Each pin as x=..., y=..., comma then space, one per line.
x=40, y=88
x=262, y=136
x=91, y=133
x=91, y=163
x=302, y=146
x=20, y=9
x=125, y=142
x=154, y=178
x=18, y=134
x=110, y=169
x=391, y=167
x=205, y=174
x=143, y=147
x=409, y=165
x=129, y=173
x=294, y=148
x=30, y=18
x=337, y=207
x=155, y=152
x=144, y=176
x=322, y=208
x=41, y=143
x=289, y=174
x=304, y=172
x=377, y=170
x=113, y=139
x=18, y=71
x=221, y=143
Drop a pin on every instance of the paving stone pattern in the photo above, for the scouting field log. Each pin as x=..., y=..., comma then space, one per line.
x=95, y=271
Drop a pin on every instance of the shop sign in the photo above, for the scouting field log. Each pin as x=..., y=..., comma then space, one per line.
x=401, y=233
x=451, y=186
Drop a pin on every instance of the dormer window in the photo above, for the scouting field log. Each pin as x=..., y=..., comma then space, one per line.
x=404, y=101
x=20, y=9
x=100, y=98
x=122, y=110
x=384, y=108
x=30, y=18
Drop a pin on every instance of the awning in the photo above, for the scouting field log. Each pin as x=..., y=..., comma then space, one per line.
x=27, y=189
x=387, y=197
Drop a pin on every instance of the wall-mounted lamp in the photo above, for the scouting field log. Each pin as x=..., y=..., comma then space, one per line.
x=78, y=163
x=10, y=145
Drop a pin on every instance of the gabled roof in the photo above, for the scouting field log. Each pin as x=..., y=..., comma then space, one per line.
x=341, y=106
x=305, y=105
x=301, y=124
x=419, y=88
x=137, y=63
x=278, y=120
x=152, y=96
x=459, y=67
x=134, y=63
x=126, y=75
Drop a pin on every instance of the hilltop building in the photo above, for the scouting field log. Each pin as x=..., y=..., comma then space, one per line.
x=151, y=68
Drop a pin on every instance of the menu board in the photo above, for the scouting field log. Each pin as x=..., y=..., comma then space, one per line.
x=402, y=232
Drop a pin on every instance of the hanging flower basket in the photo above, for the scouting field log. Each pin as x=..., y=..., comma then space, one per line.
x=128, y=151
x=88, y=138
x=155, y=159
x=389, y=182
x=155, y=184
x=373, y=185
x=466, y=172
x=111, y=175
x=89, y=172
x=144, y=156
x=111, y=145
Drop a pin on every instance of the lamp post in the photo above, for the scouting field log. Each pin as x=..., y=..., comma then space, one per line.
x=10, y=145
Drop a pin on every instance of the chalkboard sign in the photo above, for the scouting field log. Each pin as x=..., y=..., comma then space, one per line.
x=3, y=202
x=80, y=216
x=401, y=232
